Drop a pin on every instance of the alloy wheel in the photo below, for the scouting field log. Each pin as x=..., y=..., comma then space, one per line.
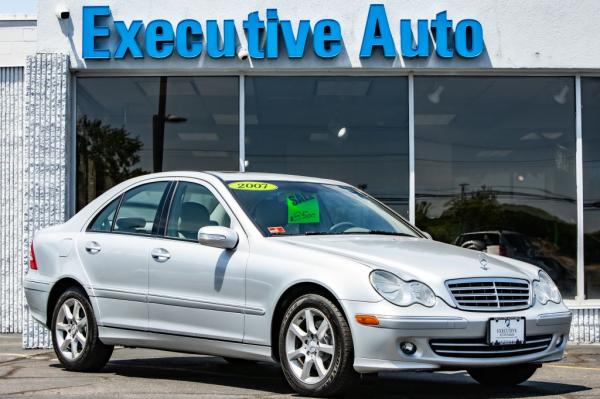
x=71, y=329
x=310, y=346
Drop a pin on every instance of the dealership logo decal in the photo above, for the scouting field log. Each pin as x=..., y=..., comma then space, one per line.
x=105, y=37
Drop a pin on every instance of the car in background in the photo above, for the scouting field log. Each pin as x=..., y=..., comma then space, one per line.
x=513, y=245
x=311, y=273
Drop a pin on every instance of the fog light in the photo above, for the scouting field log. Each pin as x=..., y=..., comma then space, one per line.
x=408, y=348
x=560, y=340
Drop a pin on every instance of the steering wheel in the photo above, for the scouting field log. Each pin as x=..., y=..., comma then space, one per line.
x=341, y=227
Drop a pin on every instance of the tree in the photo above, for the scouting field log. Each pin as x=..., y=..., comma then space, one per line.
x=106, y=156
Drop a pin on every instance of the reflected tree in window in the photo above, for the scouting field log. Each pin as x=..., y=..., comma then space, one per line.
x=495, y=168
x=140, y=124
x=106, y=156
x=480, y=222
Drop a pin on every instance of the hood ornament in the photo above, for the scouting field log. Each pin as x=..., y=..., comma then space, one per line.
x=483, y=261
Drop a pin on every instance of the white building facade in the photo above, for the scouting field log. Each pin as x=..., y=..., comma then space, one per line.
x=477, y=120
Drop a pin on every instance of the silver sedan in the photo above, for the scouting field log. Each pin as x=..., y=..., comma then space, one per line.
x=311, y=273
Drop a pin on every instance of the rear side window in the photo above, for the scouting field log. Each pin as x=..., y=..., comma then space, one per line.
x=138, y=212
x=104, y=220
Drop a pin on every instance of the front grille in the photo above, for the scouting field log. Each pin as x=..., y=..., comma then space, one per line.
x=478, y=348
x=490, y=294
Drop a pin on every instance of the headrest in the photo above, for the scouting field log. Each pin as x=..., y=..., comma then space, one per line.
x=130, y=224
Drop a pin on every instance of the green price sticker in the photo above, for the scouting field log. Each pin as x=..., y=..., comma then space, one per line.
x=252, y=186
x=303, y=208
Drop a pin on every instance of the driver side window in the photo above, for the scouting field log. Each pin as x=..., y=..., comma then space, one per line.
x=194, y=207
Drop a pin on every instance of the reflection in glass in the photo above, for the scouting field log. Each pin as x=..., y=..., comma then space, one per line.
x=353, y=129
x=590, y=97
x=128, y=126
x=495, y=168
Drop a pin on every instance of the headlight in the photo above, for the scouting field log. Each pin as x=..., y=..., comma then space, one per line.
x=400, y=292
x=545, y=290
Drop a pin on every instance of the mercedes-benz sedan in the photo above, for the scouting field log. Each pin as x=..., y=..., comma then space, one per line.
x=311, y=273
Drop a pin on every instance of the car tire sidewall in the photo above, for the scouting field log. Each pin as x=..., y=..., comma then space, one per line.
x=92, y=336
x=329, y=310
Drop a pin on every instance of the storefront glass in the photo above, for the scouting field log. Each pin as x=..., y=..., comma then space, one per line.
x=495, y=168
x=128, y=126
x=590, y=97
x=353, y=129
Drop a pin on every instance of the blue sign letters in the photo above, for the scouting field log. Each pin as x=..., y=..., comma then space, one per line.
x=160, y=39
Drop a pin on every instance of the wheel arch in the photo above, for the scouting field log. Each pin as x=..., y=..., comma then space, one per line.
x=57, y=289
x=290, y=294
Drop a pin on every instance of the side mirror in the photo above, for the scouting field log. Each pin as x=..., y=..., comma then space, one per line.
x=218, y=237
x=426, y=234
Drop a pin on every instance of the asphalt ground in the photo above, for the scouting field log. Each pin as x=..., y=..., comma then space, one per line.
x=142, y=373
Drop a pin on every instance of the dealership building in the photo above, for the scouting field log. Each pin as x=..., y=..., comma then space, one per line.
x=478, y=120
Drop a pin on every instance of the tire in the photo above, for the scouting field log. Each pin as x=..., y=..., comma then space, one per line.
x=503, y=376
x=323, y=355
x=77, y=354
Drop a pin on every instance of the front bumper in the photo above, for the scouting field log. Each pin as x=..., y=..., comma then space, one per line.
x=378, y=348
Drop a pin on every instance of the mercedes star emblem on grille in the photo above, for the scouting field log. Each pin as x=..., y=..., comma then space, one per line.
x=483, y=261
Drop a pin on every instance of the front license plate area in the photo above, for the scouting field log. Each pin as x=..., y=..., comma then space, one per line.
x=506, y=331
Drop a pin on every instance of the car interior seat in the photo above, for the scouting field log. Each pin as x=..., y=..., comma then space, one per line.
x=193, y=216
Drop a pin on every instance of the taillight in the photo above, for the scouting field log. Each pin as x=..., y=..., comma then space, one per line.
x=32, y=261
x=502, y=250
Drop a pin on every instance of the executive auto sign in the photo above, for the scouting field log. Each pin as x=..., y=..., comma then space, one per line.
x=188, y=38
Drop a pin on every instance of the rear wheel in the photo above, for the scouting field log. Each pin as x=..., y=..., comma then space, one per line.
x=75, y=333
x=503, y=376
x=315, y=347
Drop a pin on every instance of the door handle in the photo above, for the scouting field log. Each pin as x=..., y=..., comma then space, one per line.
x=92, y=247
x=160, y=254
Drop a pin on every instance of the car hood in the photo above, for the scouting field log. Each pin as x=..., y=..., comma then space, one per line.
x=429, y=261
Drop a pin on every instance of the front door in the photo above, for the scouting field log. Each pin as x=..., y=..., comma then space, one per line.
x=196, y=290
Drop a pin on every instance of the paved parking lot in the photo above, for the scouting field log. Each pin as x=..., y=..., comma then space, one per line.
x=136, y=373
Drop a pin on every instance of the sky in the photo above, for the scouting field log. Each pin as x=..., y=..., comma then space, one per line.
x=18, y=6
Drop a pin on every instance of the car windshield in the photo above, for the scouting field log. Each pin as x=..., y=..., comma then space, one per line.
x=303, y=208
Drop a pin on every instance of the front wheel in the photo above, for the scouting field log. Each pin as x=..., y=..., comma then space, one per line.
x=315, y=347
x=503, y=376
x=75, y=333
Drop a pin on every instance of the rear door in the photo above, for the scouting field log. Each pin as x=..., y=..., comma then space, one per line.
x=115, y=252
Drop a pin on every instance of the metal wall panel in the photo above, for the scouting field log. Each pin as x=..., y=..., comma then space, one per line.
x=46, y=145
x=11, y=199
x=585, y=327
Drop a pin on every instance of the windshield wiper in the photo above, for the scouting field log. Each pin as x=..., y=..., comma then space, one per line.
x=380, y=232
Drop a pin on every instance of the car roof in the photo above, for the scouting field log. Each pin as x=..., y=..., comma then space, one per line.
x=251, y=176
x=236, y=175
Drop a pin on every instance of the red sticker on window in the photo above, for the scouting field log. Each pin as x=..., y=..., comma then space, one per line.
x=276, y=230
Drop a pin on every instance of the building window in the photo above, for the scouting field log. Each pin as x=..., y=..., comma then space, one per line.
x=495, y=168
x=590, y=97
x=128, y=126
x=353, y=129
